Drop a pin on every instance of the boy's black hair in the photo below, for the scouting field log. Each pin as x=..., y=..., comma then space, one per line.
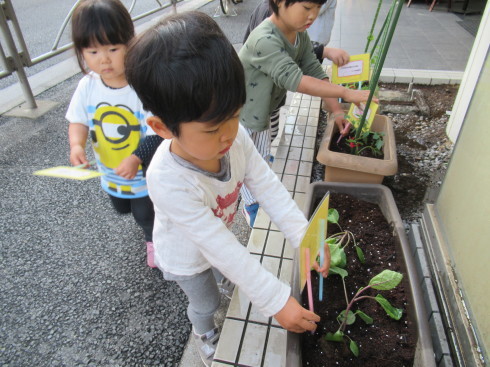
x=106, y=22
x=275, y=9
x=184, y=69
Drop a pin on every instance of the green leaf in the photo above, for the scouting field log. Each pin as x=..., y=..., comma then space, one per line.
x=351, y=317
x=343, y=259
x=337, y=255
x=337, y=337
x=331, y=241
x=360, y=254
x=354, y=348
x=387, y=279
x=379, y=144
x=368, y=320
x=394, y=313
x=333, y=216
x=336, y=270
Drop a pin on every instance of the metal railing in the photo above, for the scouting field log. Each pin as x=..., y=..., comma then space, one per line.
x=14, y=56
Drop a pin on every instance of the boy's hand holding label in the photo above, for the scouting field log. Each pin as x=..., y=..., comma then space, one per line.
x=356, y=70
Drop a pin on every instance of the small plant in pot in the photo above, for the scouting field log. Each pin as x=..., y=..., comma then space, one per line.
x=357, y=140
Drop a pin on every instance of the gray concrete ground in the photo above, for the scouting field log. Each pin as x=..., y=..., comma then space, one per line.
x=75, y=289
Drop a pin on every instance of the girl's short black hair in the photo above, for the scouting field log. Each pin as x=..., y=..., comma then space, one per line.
x=106, y=22
x=184, y=69
x=273, y=4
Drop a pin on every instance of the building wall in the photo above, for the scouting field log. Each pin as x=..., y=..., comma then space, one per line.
x=463, y=206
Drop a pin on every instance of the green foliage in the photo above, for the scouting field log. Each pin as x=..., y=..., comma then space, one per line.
x=386, y=280
x=354, y=348
x=349, y=319
x=370, y=140
x=333, y=216
x=338, y=336
x=367, y=319
x=360, y=254
x=394, y=313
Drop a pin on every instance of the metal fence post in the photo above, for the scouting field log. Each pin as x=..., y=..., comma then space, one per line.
x=7, y=13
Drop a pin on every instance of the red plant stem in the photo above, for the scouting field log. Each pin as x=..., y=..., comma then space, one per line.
x=354, y=299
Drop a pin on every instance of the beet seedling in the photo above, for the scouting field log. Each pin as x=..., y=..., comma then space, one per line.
x=385, y=280
x=338, y=242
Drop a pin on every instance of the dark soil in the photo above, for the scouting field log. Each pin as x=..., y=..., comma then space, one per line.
x=423, y=149
x=386, y=342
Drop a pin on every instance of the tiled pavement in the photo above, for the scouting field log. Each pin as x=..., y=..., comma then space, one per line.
x=422, y=40
x=247, y=337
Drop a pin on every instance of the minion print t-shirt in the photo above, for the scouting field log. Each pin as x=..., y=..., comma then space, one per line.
x=117, y=124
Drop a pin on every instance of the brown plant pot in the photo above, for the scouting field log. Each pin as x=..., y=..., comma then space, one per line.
x=380, y=195
x=342, y=167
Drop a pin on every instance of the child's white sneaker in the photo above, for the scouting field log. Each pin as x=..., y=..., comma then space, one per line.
x=206, y=345
x=226, y=287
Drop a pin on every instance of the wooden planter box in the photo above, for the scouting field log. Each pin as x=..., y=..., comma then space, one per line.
x=342, y=167
x=380, y=195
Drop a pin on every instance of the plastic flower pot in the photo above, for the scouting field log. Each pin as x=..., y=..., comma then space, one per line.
x=415, y=309
x=343, y=167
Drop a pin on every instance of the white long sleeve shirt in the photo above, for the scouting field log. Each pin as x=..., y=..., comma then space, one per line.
x=193, y=212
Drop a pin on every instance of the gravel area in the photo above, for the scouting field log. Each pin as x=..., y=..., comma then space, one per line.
x=75, y=289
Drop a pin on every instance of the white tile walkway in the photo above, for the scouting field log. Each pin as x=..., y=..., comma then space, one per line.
x=247, y=337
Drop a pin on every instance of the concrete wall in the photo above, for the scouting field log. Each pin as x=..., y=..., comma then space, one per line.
x=463, y=206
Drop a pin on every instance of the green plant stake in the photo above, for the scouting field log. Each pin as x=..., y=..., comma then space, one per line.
x=386, y=35
x=370, y=36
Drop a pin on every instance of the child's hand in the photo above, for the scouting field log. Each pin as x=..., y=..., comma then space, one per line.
x=295, y=318
x=128, y=168
x=342, y=123
x=336, y=55
x=357, y=96
x=77, y=156
x=326, y=262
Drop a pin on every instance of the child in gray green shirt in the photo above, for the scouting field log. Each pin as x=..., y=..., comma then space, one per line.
x=277, y=57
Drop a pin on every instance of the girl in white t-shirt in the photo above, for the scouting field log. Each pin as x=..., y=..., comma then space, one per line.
x=105, y=107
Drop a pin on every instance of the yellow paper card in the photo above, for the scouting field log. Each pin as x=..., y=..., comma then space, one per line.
x=311, y=237
x=72, y=173
x=355, y=114
x=356, y=70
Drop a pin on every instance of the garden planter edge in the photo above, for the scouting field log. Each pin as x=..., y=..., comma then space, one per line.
x=342, y=167
x=381, y=195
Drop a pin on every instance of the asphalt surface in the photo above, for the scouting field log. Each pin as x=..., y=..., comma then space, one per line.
x=75, y=289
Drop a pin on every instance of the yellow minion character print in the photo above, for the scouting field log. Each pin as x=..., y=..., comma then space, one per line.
x=115, y=133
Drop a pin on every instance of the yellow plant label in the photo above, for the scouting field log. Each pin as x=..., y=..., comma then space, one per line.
x=356, y=70
x=355, y=114
x=72, y=173
x=311, y=238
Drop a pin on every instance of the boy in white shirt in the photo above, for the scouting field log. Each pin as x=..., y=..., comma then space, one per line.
x=188, y=75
